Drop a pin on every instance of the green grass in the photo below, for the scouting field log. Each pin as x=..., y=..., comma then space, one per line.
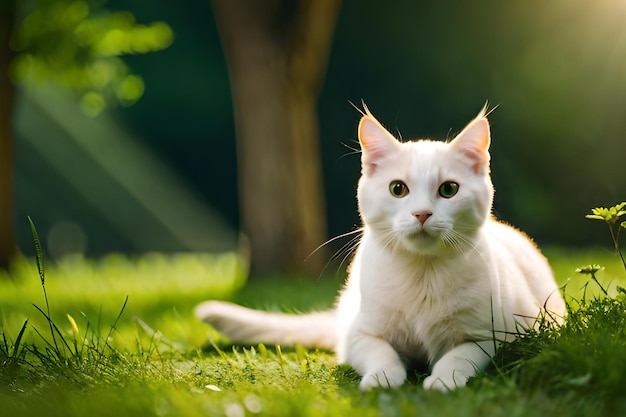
x=157, y=360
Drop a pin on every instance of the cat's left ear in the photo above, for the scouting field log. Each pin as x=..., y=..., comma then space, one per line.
x=377, y=144
x=473, y=142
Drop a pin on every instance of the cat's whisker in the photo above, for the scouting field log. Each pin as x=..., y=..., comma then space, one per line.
x=355, y=231
x=346, y=249
x=388, y=239
x=459, y=241
x=350, y=250
x=354, y=151
x=450, y=240
x=472, y=245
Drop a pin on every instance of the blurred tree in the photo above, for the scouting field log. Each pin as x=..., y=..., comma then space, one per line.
x=277, y=53
x=75, y=44
x=8, y=248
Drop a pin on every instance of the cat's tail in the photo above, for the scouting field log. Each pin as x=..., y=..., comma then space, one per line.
x=244, y=325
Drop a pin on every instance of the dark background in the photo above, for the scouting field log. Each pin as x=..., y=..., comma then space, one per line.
x=556, y=70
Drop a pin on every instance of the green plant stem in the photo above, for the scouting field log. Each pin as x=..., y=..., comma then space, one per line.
x=616, y=244
x=593, y=276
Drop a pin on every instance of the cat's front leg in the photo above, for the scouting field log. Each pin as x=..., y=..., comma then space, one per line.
x=375, y=360
x=458, y=365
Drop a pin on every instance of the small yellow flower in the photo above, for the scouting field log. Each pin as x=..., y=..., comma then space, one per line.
x=589, y=269
x=610, y=215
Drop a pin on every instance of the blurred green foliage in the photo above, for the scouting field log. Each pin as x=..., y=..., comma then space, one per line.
x=78, y=44
x=161, y=289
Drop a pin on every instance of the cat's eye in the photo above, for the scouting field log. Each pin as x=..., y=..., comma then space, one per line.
x=448, y=189
x=398, y=189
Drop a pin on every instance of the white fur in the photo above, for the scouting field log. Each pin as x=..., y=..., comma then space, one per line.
x=434, y=279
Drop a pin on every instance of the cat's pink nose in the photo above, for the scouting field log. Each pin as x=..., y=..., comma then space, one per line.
x=422, y=216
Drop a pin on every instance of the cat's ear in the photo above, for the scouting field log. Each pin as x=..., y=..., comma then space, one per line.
x=376, y=142
x=473, y=142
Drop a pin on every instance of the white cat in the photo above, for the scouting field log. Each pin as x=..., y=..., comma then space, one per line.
x=436, y=278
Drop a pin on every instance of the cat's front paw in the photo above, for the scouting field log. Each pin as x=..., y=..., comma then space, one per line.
x=385, y=378
x=446, y=382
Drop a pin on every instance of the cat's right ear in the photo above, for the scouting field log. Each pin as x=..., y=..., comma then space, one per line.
x=473, y=142
x=377, y=144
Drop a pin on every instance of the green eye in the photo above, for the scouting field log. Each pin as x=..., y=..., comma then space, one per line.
x=398, y=189
x=448, y=189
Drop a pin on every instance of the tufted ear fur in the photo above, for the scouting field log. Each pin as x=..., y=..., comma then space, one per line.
x=377, y=144
x=473, y=142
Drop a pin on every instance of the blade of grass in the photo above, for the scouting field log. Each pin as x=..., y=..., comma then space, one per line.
x=39, y=253
x=42, y=277
x=18, y=340
x=114, y=325
x=54, y=330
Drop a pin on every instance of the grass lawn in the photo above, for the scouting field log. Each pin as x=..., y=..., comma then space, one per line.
x=157, y=360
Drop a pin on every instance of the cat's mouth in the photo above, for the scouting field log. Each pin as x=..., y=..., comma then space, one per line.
x=419, y=235
x=420, y=241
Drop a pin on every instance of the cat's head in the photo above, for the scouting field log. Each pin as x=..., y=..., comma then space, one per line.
x=424, y=196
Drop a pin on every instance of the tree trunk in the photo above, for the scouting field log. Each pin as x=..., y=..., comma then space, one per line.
x=277, y=53
x=8, y=247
